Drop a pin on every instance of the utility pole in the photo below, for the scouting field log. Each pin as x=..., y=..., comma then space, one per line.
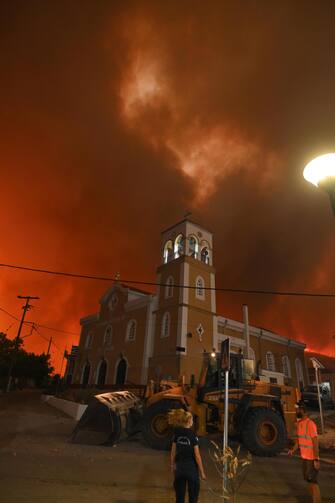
x=246, y=331
x=25, y=308
x=49, y=346
x=61, y=370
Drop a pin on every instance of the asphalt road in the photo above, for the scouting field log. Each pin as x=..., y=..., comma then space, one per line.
x=38, y=464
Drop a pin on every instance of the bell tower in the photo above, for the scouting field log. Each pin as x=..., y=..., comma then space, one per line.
x=186, y=307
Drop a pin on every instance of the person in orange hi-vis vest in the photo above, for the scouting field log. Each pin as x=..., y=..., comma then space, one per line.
x=307, y=441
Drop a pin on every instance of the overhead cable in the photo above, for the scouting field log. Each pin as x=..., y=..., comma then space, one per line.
x=191, y=287
x=38, y=325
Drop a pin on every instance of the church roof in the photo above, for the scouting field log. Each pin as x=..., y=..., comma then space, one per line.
x=186, y=219
x=136, y=290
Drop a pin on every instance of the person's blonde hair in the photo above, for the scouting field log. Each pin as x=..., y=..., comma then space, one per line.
x=179, y=418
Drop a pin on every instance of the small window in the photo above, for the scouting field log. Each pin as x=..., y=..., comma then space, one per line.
x=108, y=336
x=193, y=247
x=169, y=287
x=204, y=255
x=165, y=332
x=89, y=340
x=199, y=290
x=270, y=361
x=300, y=373
x=168, y=252
x=286, y=366
x=131, y=330
x=179, y=246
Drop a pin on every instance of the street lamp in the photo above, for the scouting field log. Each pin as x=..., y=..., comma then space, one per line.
x=321, y=173
x=317, y=366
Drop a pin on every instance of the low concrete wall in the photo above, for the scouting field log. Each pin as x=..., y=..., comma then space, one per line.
x=72, y=409
x=46, y=398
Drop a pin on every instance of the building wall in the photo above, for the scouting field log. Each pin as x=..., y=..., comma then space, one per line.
x=196, y=269
x=191, y=362
x=262, y=342
x=131, y=350
x=165, y=271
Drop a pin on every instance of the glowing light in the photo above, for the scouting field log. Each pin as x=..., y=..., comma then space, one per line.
x=320, y=168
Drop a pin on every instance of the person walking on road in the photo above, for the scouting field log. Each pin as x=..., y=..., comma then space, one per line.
x=186, y=460
x=307, y=441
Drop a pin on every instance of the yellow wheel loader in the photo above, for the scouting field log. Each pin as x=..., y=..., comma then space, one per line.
x=261, y=414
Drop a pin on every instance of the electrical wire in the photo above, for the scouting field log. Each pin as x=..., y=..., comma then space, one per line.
x=53, y=329
x=48, y=340
x=37, y=324
x=9, y=314
x=152, y=283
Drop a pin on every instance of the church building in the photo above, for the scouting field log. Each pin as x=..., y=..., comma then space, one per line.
x=136, y=335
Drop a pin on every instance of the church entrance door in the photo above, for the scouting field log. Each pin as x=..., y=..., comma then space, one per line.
x=121, y=372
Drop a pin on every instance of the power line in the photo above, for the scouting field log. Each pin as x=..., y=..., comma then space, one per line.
x=48, y=340
x=191, y=287
x=9, y=314
x=54, y=329
x=37, y=324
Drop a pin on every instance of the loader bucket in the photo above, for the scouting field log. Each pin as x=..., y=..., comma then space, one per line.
x=109, y=417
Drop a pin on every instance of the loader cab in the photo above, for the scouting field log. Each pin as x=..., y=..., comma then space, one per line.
x=209, y=380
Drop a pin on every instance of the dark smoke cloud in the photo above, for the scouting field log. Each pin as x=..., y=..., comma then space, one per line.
x=116, y=118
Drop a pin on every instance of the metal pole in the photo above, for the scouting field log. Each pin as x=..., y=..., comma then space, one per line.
x=49, y=346
x=25, y=308
x=60, y=374
x=246, y=330
x=319, y=398
x=225, y=429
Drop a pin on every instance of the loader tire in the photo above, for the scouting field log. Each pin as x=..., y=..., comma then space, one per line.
x=156, y=430
x=264, y=432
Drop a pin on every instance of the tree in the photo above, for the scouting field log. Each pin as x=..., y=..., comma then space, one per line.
x=26, y=365
x=7, y=351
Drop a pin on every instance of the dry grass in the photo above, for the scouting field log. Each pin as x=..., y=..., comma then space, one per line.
x=231, y=469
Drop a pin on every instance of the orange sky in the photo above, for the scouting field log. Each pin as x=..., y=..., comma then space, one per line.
x=117, y=117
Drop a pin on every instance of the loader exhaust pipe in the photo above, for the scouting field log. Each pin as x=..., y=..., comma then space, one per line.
x=246, y=331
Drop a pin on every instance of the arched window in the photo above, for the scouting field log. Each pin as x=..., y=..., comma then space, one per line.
x=165, y=331
x=131, y=330
x=86, y=374
x=102, y=373
x=270, y=361
x=204, y=255
x=169, y=287
x=193, y=247
x=300, y=373
x=108, y=337
x=286, y=366
x=168, y=251
x=89, y=340
x=179, y=246
x=199, y=290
